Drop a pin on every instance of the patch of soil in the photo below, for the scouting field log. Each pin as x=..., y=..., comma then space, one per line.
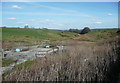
x=54, y=35
x=82, y=37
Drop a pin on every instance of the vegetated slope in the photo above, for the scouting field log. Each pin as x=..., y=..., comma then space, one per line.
x=98, y=35
x=7, y=62
x=79, y=62
x=16, y=34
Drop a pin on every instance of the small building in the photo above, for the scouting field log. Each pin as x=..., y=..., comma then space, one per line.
x=47, y=46
x=21, y=48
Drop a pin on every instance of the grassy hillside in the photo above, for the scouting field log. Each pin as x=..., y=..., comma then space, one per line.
x=98, y=35
x=14, y=34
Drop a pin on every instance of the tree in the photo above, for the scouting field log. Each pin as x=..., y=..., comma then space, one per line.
x=85, y=30
x=4, y=27
x=74, y=30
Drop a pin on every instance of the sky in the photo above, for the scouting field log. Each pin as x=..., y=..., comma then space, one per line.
x=59, y=0
x=60, y=15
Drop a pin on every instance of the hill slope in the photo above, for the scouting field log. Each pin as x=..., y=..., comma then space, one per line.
x=98, y=35
x=14, y=34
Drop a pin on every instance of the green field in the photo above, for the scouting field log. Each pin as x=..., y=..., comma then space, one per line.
x=14, y=34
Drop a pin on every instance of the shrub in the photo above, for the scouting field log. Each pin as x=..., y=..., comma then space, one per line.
x=118, y=32
x=85, y=30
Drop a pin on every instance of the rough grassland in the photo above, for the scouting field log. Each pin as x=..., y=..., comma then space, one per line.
x=90, y=62
x=81, y=61
x=15, y=34
x=7, y=62
x=98, y=35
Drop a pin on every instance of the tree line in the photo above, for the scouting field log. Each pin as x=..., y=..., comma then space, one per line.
x=83, y=31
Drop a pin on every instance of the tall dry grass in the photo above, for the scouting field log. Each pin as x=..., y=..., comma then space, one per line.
x=81, y=61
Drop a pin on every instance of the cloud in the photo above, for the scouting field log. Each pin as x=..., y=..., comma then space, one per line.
x=56, y=8
x=98, y=22
x=52, y=7
x=60, y=24
x=26, y=24
x=16, y=7
x=109, y=14
x=19, y=22
x=12, y=18
x=50, y=13
x=69, y=23
x=47, y=21
x=31, y=20
x=51, y=23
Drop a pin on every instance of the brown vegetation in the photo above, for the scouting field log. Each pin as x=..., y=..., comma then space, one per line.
x=54, y=35
x=79, y=62
x=82, y=37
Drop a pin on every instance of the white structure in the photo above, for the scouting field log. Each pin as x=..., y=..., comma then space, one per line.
x=47, y=46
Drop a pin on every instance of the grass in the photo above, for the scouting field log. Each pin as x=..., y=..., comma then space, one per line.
x=103, y=34
x=13, y=37
x=84, y=61
x=6, y=62
x=6, y=73
x=81, y=61
x=24, y=65
x=99, y=35
x=14, y=34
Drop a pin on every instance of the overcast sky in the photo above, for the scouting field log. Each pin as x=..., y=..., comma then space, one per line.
x=60, y=15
